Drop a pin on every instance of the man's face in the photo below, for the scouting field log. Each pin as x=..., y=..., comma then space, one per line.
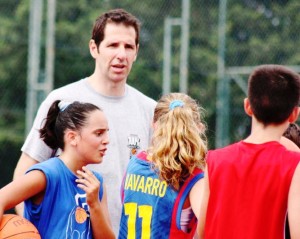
x=116, y=53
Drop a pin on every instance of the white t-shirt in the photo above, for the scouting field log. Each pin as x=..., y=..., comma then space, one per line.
x=129, y=119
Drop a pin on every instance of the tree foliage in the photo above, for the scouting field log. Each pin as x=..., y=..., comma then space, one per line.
x=257, y=32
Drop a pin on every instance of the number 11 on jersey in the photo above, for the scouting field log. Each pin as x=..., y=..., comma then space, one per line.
x=133, y=210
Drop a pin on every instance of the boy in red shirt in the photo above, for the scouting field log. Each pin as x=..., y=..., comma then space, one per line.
x=251, y=184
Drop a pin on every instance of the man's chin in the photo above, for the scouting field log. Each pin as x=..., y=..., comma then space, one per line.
x=119, y=78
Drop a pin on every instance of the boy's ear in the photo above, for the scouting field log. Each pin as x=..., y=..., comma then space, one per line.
x=247, y=107
x=294, y=115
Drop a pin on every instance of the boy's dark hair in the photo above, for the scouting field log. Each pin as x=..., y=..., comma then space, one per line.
x=293, y=133
x=273, y=92
x=119, y=16
x=73, y=116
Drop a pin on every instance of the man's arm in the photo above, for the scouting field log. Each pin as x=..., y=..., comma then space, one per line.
x=24, y=187
x=23, y=164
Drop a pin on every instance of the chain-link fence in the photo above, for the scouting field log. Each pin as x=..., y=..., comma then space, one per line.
x=257, y=32
x=224, y=42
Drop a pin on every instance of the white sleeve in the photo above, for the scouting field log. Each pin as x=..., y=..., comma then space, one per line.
x=34, y=146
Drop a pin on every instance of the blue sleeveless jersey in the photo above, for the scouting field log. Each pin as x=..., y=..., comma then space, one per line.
x=152, y=209
x=63, y=213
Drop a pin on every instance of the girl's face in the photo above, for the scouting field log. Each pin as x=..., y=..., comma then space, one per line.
x=93, y=138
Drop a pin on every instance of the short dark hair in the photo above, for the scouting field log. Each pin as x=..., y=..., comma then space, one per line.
x=119, y=16
x=273, y=92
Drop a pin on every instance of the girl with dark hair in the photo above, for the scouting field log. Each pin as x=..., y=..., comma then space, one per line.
x=63, y=198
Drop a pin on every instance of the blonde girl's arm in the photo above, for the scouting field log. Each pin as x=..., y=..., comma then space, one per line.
x=204, y=196
x=195, y=196
x=195, y=199
x=22, y=188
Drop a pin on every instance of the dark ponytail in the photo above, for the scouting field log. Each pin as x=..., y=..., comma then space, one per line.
x=61, y=116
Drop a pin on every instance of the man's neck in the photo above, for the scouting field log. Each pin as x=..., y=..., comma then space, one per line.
x=108, y=88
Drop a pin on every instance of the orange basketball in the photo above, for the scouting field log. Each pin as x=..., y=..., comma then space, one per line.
x=15, y=227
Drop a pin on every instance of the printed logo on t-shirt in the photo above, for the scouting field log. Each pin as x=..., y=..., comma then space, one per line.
x=133, y=143
x=79, y=221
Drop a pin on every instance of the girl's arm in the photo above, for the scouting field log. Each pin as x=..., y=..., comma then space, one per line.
x=195, y=200
x=22, y=188
x=204, y=197
x=100, y=219
x=195, y=196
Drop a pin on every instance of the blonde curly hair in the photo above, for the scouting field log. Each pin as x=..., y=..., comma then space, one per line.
x=178, y=144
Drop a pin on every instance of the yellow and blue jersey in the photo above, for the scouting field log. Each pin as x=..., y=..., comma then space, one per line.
x=151, y=208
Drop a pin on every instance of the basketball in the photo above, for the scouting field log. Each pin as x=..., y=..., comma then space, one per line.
x=16, y=227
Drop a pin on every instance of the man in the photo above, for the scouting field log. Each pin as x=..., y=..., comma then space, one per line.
x=114, y=46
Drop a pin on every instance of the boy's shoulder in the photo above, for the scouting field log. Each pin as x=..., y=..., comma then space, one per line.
x=242, y=147
x=225, y=148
